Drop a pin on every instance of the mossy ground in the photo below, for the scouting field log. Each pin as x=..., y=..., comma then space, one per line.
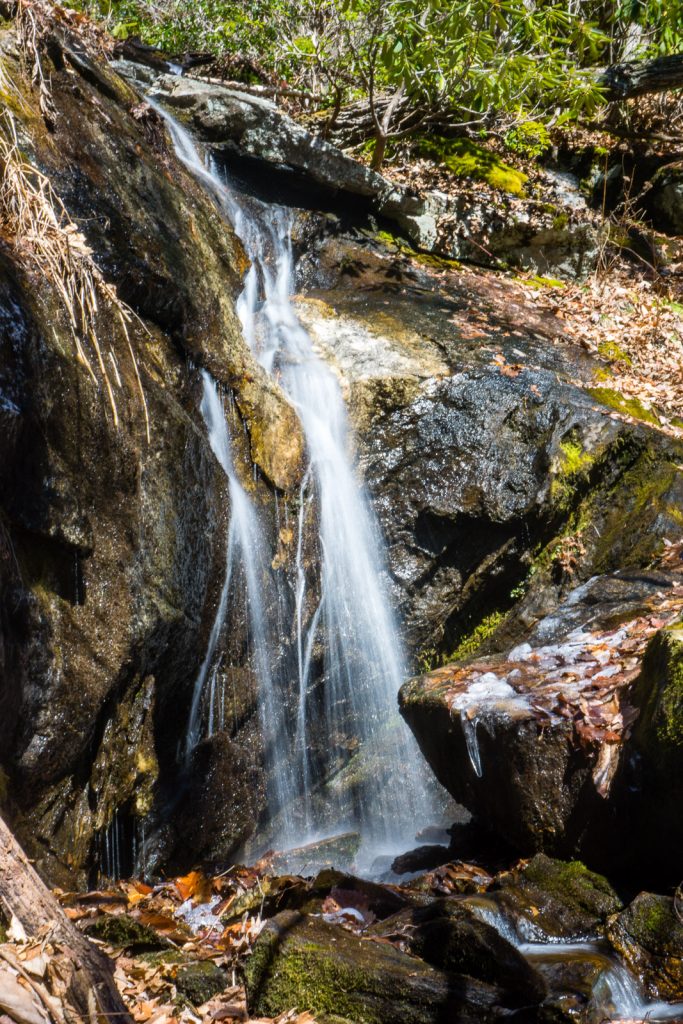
x=465, y=159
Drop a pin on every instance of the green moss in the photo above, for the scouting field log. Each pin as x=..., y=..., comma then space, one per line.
x=466, y=159
x=471, y=643
x=535, y=281
x=199, y=982
x=603, y=374
x=628, y=406
x=125, y=932
x=570, y=470
x=610, y=350
x=670, y=717
x=560, y=221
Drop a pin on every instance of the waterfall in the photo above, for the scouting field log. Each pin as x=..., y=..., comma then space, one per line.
x=349, y=638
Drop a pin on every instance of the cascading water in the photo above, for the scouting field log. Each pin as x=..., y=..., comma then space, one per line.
x=345, y=633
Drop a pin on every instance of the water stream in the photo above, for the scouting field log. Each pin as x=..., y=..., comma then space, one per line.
x=344, y=629
x=616, y=993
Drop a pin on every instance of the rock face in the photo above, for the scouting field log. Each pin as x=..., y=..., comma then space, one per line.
x=541, y=745
x=496, y=478
x=112, y=538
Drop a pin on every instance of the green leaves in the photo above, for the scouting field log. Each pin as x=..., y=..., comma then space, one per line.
x=475, y=59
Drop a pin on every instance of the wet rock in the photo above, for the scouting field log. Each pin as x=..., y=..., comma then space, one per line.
x=117, y=537
x=304, y=962
x=538, y=744
x=199, y=982
x=380, y=900
x=664, y=199
x=423, y=858
x=210, y=826
x=497, y=481
x=447, y=935
x=650, y=790
x=124, y=932
x=649, y=935
x=552, y=898
x=255, y=127
x=335, y=851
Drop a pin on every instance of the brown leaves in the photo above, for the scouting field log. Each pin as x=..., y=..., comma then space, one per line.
x=195, y=886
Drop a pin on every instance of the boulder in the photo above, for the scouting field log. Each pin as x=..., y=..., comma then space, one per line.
x=304, y=962
x=448, y=935
x=538, y=744
x=255, y=127
x=649, y=936
x=552, y=899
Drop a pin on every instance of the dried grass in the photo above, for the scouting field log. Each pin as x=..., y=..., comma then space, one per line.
x=43, y=236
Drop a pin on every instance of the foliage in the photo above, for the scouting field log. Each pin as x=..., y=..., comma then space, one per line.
x=418, y=62
x=530, y=139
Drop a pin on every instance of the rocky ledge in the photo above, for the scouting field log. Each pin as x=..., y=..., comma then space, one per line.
x=251, y=133
x=586, y=720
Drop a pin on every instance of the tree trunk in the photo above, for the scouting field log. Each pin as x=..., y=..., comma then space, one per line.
x=637, y=78
x=92, y=987
x=378, y=152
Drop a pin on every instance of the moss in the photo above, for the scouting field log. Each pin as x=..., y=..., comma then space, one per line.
x=603, y=374
x=677, y=421
x=670, y=719
x=125, y=932
x=633, y=503
x=629, y=406
x=610, y=350
x=199, y=982
x=571, y=470
x=466, y=159
x=163, y=957
x=471, y=642
x=560, y=221
x=536, y=281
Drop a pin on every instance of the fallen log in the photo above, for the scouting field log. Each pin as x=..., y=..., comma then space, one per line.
x=24, y=896
x=640, y=77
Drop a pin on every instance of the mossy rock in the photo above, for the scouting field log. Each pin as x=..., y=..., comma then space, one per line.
x=466, y=159
x=124, y=932
x=447, y=934
x=649, y=935
x=628, y=406
x=198, y=982
x=561, y=899
x=651, y=790
x=304, y=962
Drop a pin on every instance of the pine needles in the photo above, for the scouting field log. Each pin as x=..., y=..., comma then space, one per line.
x=42, y=235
